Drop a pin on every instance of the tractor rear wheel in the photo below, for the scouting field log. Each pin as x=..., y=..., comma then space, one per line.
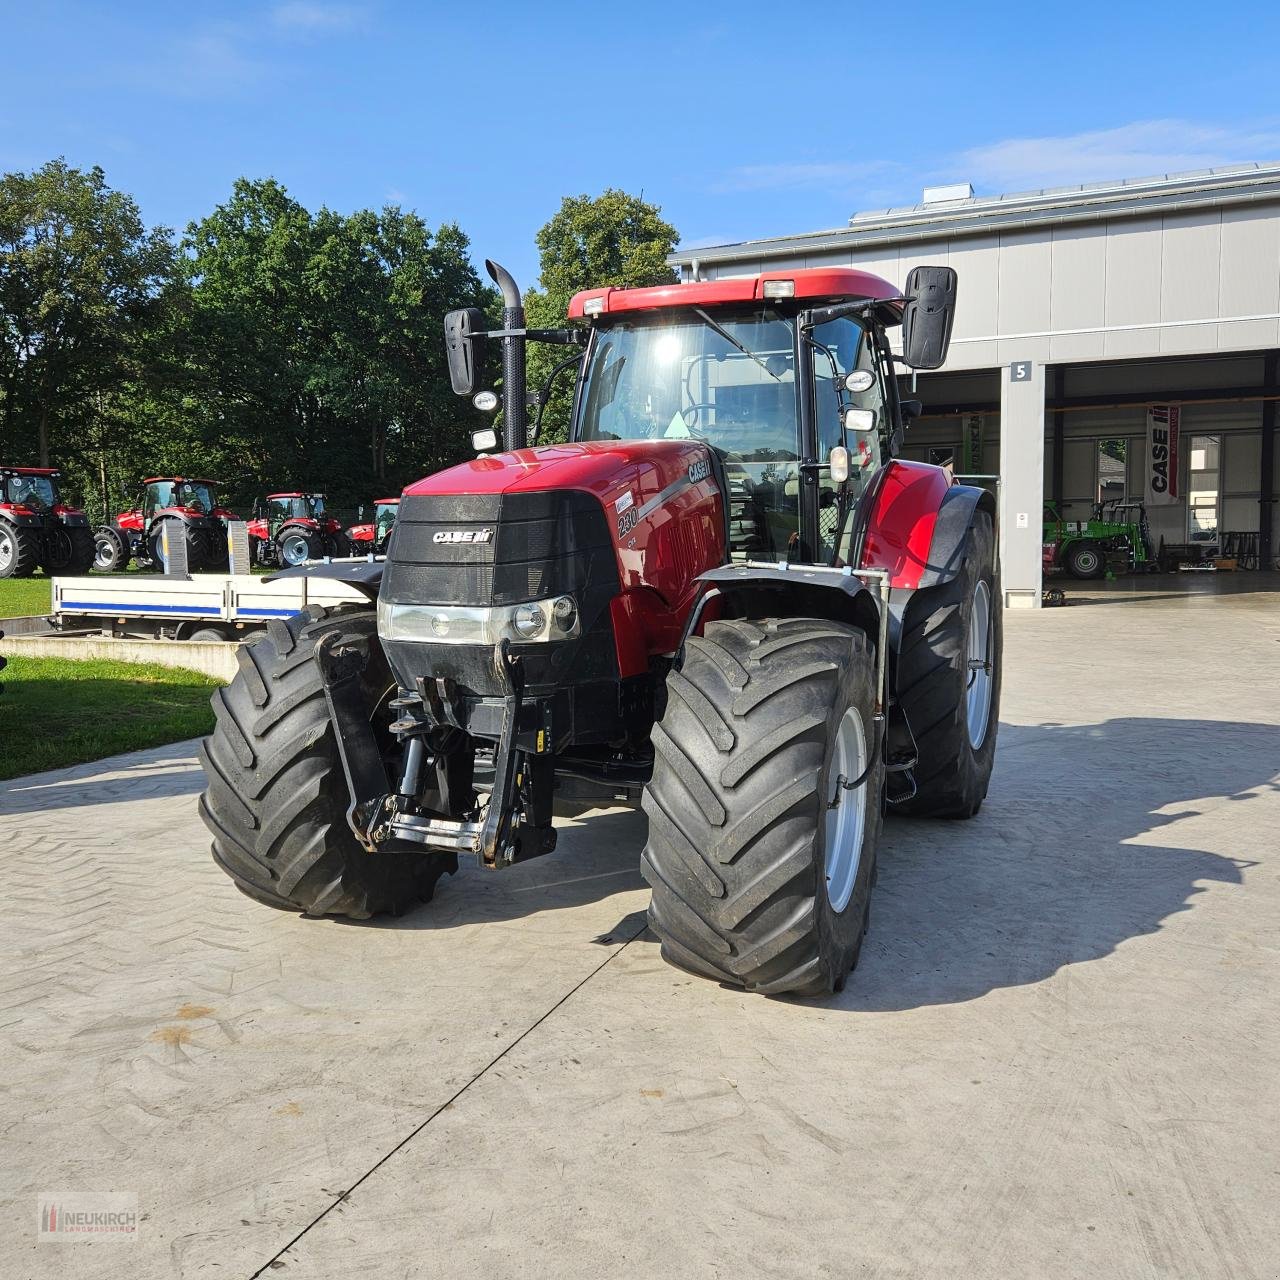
x=69, y=550
x=764, y=808
x=19, y=550
x=1085, y=560
x=197, y=546
x=276, y=795
x=110, y=550
x=949, y=681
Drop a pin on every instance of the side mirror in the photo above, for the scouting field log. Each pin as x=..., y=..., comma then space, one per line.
x=485, y=440
x=464, y=342
x=928, y=316
x=859, y=419
x=911, y=410
x=258, y=508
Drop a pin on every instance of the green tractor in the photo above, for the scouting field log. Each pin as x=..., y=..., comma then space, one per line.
x=1115, y=539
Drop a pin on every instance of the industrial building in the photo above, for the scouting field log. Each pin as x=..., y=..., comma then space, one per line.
x=1111, y=340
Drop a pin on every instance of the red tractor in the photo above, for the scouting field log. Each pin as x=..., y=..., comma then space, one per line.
x=188, y=509
x=373, y=536
x=37, y=529
x=293, y=528
x=727, y=598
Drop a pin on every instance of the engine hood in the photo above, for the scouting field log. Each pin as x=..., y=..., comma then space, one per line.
x=609, y=469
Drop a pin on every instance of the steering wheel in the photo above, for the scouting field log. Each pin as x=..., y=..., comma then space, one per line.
x=694, y=409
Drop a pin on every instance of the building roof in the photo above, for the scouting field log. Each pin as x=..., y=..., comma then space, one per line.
x=981, y=215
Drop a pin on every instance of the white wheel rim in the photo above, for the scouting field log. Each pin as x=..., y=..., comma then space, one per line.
x=846, y=822
x=979, y=665
x=102, y=555
x=294, y=551
x=6, y=549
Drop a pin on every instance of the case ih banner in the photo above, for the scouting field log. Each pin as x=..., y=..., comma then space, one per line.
x=1162, y=454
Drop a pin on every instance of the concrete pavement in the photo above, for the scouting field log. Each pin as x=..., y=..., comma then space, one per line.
x=1058, y=1057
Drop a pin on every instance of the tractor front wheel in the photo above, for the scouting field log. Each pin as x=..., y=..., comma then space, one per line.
x=1085, y=560
x=949, y=681
x=297, y=546
x=276, y=795
x=764, y=808
x=110, y=550
x=19, y=550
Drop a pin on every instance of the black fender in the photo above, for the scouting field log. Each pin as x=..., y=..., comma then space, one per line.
x=790, y=591
x=21, y=521
x=73, y=519
x=955, y=516
x=364, y=575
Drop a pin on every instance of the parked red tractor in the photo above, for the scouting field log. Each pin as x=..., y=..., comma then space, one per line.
x=186, y=508
x=292, y=528
x=373, y=536
x=37, y=529
x=726, y=598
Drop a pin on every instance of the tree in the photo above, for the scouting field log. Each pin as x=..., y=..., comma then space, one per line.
x=80, y=280
x=612, y=239
x=315, y=342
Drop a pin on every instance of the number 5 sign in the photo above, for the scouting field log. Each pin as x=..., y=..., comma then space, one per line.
x=1020, y=371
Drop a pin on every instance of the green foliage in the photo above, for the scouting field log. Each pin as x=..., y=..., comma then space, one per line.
x=612, y=239
x=61, y=711
x=81, y=282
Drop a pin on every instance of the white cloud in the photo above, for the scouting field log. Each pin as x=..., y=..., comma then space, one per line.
x=314, y=16
x=1145, y=148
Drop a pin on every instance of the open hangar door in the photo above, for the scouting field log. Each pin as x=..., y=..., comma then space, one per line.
x=1161, y=475
x=1108, y=534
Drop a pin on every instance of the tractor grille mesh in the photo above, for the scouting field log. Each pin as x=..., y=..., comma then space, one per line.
x=524, y=546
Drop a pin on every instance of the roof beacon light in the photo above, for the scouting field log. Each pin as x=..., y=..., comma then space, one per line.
x=779, y=288
x=593, y=307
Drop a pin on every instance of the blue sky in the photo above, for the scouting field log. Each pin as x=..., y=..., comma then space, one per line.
x=741, y=120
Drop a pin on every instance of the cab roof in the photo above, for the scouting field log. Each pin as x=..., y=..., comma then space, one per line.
x=295, y=494
x=30, y=471
x=810, y=284
x=180, y=480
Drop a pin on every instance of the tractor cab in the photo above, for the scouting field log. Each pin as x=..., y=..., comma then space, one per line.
x=32, y=487
x=199, y=497
x=766, y=382
x=282, y=507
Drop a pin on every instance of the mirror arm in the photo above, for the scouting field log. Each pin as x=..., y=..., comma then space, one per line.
x=544, y=396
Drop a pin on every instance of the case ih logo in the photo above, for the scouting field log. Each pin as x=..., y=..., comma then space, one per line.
x=699, y=470
x=463, y=535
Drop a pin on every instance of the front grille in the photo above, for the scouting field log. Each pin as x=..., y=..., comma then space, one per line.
x=538, y=545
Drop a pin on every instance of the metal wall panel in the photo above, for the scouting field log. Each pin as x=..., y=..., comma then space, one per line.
x=1190, y=247
x=1133, y=287
x=1078, y=292
x=1250, y=277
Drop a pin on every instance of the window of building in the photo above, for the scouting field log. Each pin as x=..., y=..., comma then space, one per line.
x=1203, y=467
x=1112, y=470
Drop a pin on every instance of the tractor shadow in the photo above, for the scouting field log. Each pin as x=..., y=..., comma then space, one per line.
x=1087, y=840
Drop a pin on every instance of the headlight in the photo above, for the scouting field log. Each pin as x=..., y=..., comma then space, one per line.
x=533, y=623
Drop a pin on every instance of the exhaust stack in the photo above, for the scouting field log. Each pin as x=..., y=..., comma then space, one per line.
x=515, y=414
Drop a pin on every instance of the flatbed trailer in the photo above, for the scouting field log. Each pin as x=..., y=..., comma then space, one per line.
x=210, y=606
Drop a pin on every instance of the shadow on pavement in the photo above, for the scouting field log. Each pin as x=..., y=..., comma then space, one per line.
x=1066, y=860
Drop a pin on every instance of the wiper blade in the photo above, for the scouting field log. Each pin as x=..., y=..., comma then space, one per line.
x=728, y=337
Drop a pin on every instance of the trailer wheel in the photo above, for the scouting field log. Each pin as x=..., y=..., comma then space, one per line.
x=110, y=550
x=19, y=550
x=69, y=550
x=1085, y=560
x=760, y=855
x=276, y=796
x=949, y=667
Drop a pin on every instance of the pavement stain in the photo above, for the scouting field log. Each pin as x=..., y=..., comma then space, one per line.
x=193, y=1011
x=289, y=1109
x=175, y=1037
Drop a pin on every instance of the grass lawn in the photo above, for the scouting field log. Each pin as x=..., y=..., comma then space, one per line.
x=21, y=597
x=60, y=711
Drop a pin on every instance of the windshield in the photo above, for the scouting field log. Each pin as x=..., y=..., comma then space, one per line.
x=727, y=379
x=385, y=515
x=196, y=494
x=36, y=492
